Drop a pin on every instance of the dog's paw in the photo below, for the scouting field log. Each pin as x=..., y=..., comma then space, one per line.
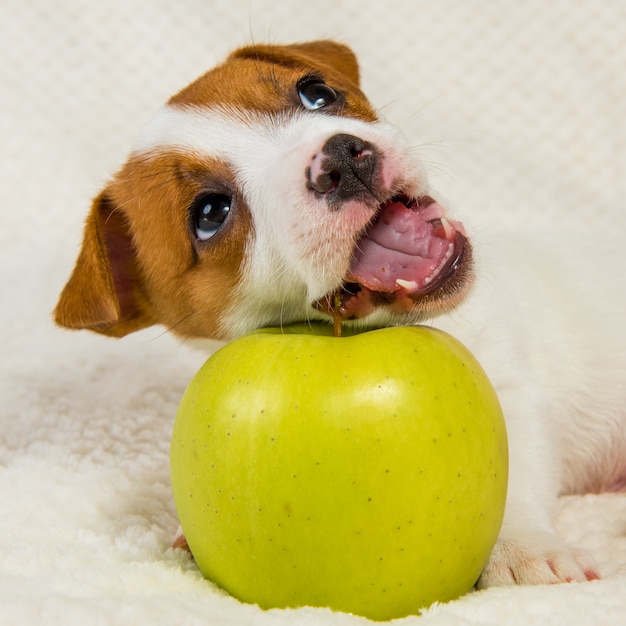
x=179, y=541
x=536, y=559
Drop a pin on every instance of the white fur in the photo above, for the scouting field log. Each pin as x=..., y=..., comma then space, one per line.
x=545, y=318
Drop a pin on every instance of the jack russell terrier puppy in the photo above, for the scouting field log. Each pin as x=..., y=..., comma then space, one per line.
x=269, y=191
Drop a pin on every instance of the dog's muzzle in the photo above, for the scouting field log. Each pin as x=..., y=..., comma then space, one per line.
x=408, y=252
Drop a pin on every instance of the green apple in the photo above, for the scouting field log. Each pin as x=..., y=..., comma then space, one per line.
x=365, y=473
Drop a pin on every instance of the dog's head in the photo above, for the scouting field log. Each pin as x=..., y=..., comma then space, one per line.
x=266, y=192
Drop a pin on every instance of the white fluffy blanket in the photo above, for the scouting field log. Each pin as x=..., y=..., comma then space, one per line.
x=519, y=108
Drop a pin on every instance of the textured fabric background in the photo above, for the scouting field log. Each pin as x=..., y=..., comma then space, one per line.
x=519, y=109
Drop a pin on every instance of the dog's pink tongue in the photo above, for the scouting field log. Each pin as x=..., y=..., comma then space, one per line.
x=405, y=249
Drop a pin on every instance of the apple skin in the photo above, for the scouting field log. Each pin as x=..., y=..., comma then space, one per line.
x=366, y=473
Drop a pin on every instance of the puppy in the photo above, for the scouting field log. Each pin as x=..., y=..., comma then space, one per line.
x=269, y=192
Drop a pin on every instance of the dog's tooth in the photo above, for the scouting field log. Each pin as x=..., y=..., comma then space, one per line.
x=409, y=285
x=448, y=229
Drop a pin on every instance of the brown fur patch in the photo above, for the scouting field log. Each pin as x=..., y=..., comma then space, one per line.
x=160, y=274
x=264, y=78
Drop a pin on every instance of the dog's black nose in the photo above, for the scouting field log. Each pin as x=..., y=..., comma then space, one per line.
x=345, y=169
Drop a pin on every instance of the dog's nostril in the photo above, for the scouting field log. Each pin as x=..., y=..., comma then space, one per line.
x=359, y=151
x=326, y=182
x=335, y=179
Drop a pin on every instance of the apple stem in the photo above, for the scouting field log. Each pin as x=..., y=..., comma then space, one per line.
x=336, y=314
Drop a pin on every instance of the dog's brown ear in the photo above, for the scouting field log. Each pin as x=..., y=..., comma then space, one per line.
x=103, y=293
x=326, y=53
x=333, y=54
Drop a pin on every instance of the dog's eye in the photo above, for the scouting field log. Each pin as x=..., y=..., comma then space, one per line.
x=316, y=94
x=209, y=213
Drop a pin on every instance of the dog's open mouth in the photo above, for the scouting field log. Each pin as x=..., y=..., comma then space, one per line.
x=408, y=251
